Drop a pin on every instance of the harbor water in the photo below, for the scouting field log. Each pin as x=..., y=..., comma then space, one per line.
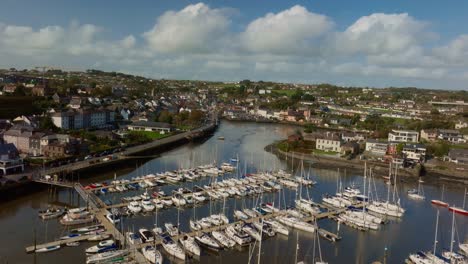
x=394, y=241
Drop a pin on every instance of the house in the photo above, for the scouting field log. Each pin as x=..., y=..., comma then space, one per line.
x=75, y=102
x=451, y=135
x=403, y=136
x=459, y=156
x=340, y=121
x=328, y=142
x=352, y=136
x=126, y=113
x=429, y=134
x=58, y=149
x=9, y=159
x=40, y=90
x=315, y=120
x=31, y=121
x=160, y=127
x=9, y=88
x=18, y=135
x=414, y=152
x=350, y=147
x=376, y=147
x=461, y=124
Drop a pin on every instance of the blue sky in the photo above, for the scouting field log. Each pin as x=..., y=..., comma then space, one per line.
x=421, y=43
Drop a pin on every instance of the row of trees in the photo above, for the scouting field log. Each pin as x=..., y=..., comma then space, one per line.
x=182, y=119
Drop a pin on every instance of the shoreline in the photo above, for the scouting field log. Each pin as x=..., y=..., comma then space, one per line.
x=380, y=169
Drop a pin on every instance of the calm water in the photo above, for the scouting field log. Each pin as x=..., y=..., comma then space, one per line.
x=415, y=231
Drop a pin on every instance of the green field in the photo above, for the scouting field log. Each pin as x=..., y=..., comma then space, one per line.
x=285, y=92
x=13, y=106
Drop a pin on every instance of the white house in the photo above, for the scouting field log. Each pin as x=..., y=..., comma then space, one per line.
x=403, y=136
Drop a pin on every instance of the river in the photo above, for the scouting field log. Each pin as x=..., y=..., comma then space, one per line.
x=413, y=232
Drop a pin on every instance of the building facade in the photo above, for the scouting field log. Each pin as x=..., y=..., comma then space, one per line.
x=403, y=136
x=83, y=119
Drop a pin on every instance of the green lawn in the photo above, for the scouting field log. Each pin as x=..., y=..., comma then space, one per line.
x=151, y=135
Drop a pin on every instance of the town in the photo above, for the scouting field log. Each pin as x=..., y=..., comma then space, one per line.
x=51, y=117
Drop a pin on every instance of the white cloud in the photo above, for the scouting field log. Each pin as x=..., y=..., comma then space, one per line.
x=194, y=29
x=382, y=34
x=286, y=32
x=294, y=44
x=454, y=53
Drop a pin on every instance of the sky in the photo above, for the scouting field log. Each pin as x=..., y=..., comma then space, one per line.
x=377, y=43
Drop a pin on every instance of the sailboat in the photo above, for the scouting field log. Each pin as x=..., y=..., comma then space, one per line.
x=441, y=201
x=459, y=210
x=417, y=194
x=428, y=257
x=386, y=207
x=453, y=256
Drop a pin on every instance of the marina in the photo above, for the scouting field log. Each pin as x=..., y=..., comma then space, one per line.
x=252, y=172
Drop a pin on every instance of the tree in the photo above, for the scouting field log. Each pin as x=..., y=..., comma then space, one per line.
x=399, y=147
x=196, y=116
x=165, y=117
x=46, y=123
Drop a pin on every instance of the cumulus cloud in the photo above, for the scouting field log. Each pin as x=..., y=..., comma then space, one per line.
x=382, y=33
x=289, y=31
x=193, y=29
x=291, y=45
x=456, y=52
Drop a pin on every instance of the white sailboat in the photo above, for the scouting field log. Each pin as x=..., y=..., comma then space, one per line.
x=417, y=194
x=388, y=208
x=152, y=255
x=190, y=245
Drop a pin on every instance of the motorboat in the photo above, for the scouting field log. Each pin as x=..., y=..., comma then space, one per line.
x=66, y=220
x=113, y=218
x=146, y=235
x=133, y=238
x=51, y=213
x=171, y=229
x=190, y=245
x=147, y=205
x=172, y=248
x=152, y=255
x=238, y=236
x=134, y=207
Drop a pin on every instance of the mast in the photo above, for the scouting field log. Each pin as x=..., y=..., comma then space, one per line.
x=452, y=238
x=260, y=244
x=435, y=237
x=464, y=198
